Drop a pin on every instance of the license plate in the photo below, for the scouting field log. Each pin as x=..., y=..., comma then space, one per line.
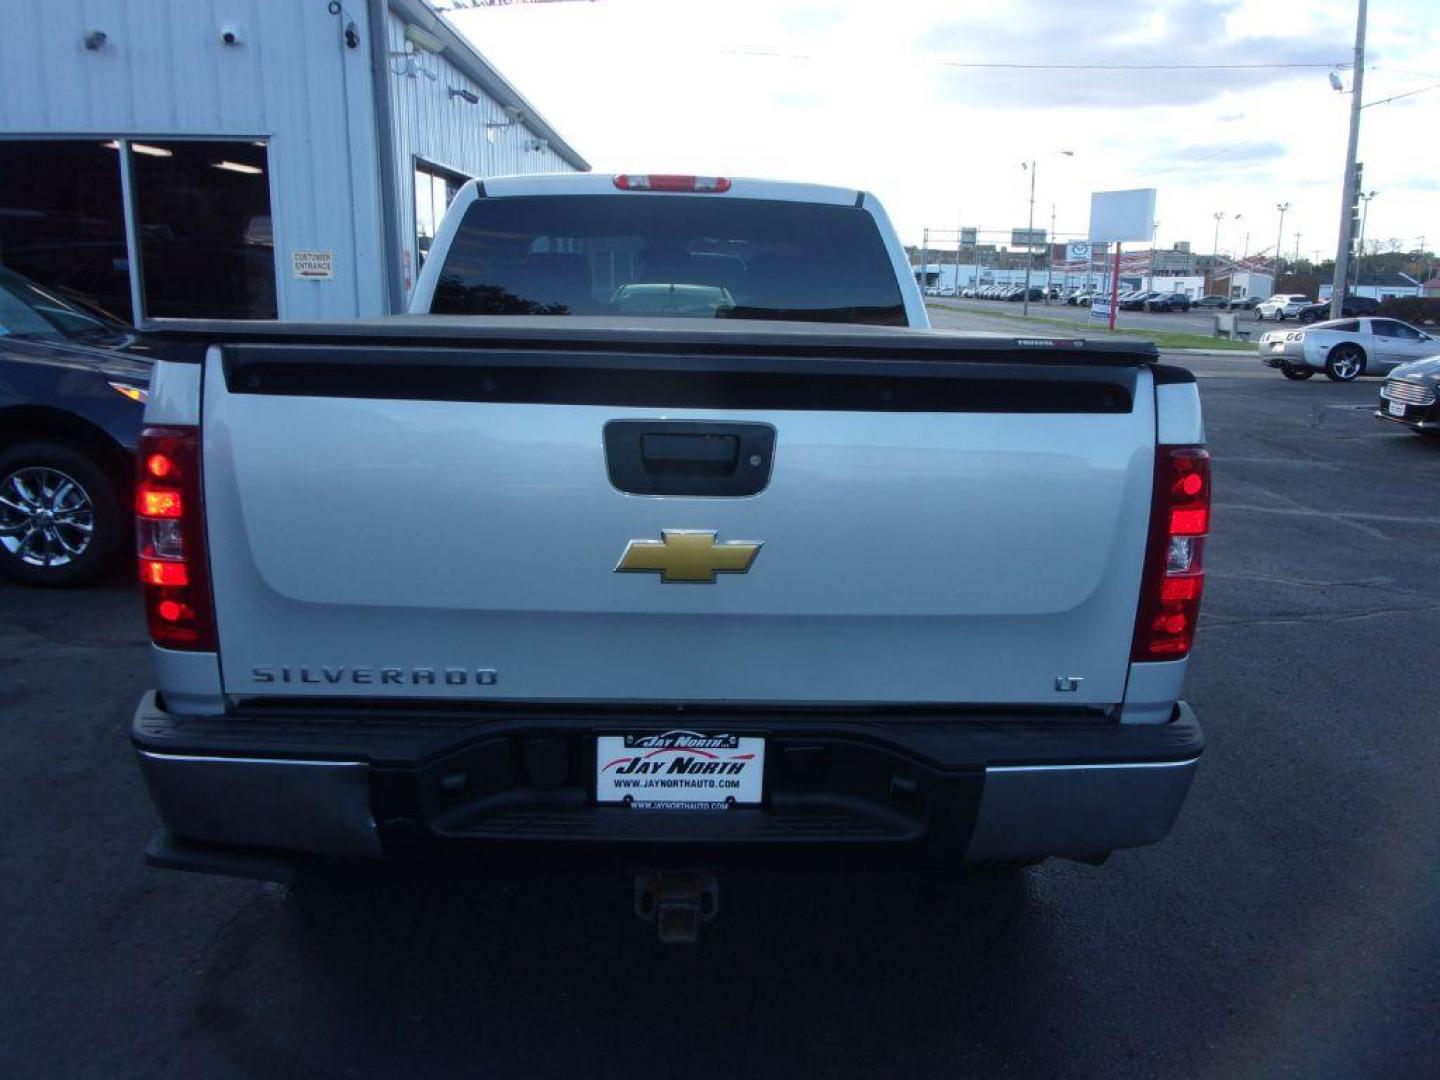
x=1395, y=408
x=679, y=770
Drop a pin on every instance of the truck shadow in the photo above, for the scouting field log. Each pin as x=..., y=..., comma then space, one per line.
x=536, y=974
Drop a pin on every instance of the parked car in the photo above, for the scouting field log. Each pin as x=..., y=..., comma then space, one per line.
x=71, y=399
x=1136, y=301
x=1174, y=301
x=1246, y=303
x=1210, y=302
x=1018, y=293
x=1281, y=306
x=1352, y=307
x=1411, y=396
x=1016, y=702
x=1345, y=349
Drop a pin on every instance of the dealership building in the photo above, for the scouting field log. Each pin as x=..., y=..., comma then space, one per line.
x=244, y=158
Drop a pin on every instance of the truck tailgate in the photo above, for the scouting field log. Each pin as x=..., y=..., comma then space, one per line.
x=442, y=524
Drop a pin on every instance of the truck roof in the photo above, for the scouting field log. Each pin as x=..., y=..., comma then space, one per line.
x=741, y=187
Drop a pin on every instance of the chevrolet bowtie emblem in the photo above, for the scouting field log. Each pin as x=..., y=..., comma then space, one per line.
x=687, y=555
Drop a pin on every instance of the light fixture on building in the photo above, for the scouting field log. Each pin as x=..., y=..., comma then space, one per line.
x=423, y=39
x=469, y=96
x=95, y=40
x=141, y=148
x=238, y=167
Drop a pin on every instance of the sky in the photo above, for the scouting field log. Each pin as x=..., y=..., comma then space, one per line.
x=873, y=95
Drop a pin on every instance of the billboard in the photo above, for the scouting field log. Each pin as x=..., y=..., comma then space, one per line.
x=967, y=236
x=1027, y=237
x=1078, y=251
x=1122, y=215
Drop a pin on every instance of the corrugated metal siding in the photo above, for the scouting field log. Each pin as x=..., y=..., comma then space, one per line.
x=164, y=72
x=431, y=125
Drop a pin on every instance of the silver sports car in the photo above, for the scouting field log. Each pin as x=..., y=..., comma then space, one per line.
x=1345, y=349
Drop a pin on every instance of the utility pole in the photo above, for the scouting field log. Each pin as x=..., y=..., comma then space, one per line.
x=1347, y=197
x=1279, y=256
x=1029, y=242
x=1297, y=253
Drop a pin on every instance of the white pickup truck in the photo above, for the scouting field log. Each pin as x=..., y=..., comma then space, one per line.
x=664, y=533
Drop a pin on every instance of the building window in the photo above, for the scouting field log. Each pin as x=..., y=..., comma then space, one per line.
x=202, y=211
x=434, y=188
x=61, y=222
x=203, y=214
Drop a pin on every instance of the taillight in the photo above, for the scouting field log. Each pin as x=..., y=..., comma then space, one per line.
x=170, y=539
x=1174, y=575
x=670, y=182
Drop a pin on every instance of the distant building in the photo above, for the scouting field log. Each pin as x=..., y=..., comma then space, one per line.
x=1180, y=260
x=1380, y=286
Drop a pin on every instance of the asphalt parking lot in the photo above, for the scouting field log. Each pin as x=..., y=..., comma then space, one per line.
x=1289, y=926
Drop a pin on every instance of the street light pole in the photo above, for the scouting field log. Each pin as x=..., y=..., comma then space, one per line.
x=1347, y=198
x=1219, y=216
x=1049, y=253
x=1154, y=230
x=1279, y=235
x=924, y=262
x=1030, y=229
x=1360, y=251
x=959, y=233
x=1029, y=241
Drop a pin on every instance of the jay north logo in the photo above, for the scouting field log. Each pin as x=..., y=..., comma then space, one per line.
x=680, y=753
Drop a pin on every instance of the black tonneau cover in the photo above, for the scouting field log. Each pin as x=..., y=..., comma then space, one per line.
x=714, y=337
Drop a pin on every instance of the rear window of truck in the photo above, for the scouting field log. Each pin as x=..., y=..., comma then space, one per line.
x=669, y=255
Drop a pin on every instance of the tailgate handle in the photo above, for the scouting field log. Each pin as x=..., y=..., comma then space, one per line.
x=684, y=457
x=712, y=455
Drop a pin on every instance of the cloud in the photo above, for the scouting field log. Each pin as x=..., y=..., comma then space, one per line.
x=1232, y=154
x=1170, y=34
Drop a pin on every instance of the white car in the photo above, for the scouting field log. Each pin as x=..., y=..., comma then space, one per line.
x=1281, y=306
x=1345, y=349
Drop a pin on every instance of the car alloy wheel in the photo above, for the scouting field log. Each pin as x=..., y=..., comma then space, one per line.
x=1345, y=363
x=47, y=518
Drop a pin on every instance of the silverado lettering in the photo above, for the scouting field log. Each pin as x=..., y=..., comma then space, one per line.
x=385, y=676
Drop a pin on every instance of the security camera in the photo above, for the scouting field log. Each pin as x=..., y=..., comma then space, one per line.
x=95, y=40
x=230, y=35
x=515, y=113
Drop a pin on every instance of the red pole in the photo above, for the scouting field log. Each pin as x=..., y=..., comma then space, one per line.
x=1115, y=285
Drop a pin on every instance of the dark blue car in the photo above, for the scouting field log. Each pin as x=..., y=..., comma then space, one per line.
x=72, y=390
